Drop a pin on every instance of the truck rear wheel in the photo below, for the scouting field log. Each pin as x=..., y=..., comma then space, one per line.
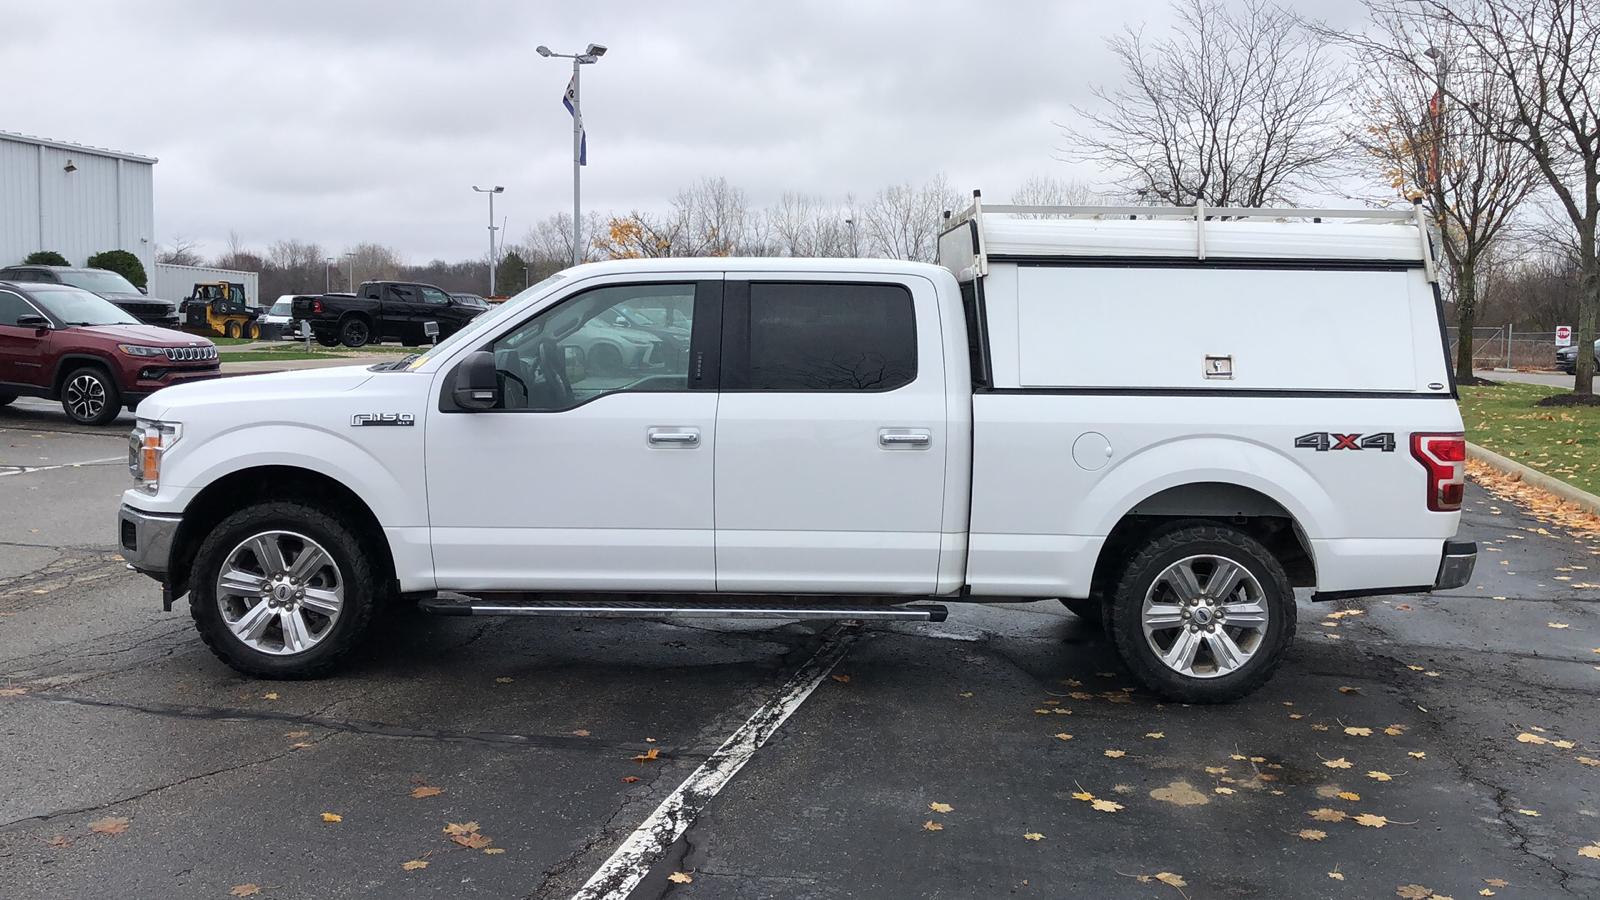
x=326, y=340
x=282, y=589
x=1203, y=613
x=354, y=332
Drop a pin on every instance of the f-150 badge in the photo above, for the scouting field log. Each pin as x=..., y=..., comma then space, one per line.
x=1324, y=440
x=383, y=419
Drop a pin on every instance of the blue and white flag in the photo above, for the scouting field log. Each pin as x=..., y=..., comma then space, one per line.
x=569, y=101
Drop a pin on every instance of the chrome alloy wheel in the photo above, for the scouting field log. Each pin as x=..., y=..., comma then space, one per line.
x=280, y=592
x=1205, y=616
x=86, y=397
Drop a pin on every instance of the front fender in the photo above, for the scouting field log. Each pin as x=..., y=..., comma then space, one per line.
x=1191, y=460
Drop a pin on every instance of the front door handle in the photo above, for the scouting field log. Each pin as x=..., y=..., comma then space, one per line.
x=905, y=438
x=673, y=437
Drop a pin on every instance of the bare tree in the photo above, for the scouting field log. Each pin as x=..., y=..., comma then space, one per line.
x=803, y=225
x=181, y=251
x=1424, y=145
x=903, y=220
x=549, y=242
x=1047, y=190
x=1238, y=109
x=1545, y=57
x=713, y=218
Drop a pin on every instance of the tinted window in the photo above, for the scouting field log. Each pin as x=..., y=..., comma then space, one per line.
x=576, y=351
x=13, y=307
x=831, y=337
x=22, y=275
x=436, y=296
x=404, y=293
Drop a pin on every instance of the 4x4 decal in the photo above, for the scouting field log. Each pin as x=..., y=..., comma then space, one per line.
x=1324, y=440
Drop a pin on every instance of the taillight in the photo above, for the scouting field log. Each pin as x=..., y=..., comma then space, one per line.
x=316, y=307
x=1445, y=458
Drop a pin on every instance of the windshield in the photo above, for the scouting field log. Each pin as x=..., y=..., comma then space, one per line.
x=282, y=308
x=494, y=312
x=77, y=307
x=99, y=281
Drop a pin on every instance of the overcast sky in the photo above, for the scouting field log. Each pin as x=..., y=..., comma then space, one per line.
x=340, y=122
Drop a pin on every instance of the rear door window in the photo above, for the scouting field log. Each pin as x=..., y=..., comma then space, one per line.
x=816, y=336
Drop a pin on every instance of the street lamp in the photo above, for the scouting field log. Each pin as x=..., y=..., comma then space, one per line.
x=589, y=56
x=497, y=189
x=327, y=275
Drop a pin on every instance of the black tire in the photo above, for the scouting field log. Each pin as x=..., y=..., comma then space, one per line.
x=352, y=572
x=1268, y=589
x=1086, y=608
x=603, y=359
x=325, y=339
x=90, y=397
x=6, y=399
x=355, y=332
x=231, y=329
x=252, y=330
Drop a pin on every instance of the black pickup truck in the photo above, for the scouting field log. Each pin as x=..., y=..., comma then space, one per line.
x=383, y=311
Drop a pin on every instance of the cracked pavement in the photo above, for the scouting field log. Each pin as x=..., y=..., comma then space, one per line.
x=111, y=708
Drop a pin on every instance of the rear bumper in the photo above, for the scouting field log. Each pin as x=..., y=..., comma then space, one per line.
x=1456, y=562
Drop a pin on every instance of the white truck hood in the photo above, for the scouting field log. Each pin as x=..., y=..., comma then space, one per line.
x=261, y=389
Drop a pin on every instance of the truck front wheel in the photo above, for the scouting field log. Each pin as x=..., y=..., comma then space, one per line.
x=1203, y=613
x=281, y=589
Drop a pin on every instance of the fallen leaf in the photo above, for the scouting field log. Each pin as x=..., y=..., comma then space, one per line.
x=502, y=680
x=1592, y=851
x=269, y=696
x=493, y=850
x=1224, y=790
x=1083, y=695
x=1371, y=821
x=1033, y=836
x=1528, y=812
x=1216, y=770
x=1258, y=759
x=296, y=734
x=580, y=732
x=679, y=878
x=1588, y=761
x=1169, y=878
x=649, y=755
x=1486, y=893
x=460, y=827
x=1349, y=690
x=1180, y=793
x=421, y=792
x=1311, y=834
x=472, y=841
x=1340, y=763
x=414, y=864
x=931, y=825
x=1380, y=776
x=1413, y=892
x=1497, y=882
x=1558, y=625
x=1116, y=754
x=941, y=807
x=1328, y=815
x=59, y=840
x=1336, y=875
x=1328, y=790
x=1395, y=730
x=1358, y=732
x=109, y=825
x=842, y=679
x=12, y=692
x=1083, y=795
x=1418, y=754
x=1239, y=756
x=1565, y=745
x=1416, y=668
x=1352, y=796
x=1064, y=736
x=300, y=745
x=1156, y=734
x=244, y=890
x=332, y=817
x=1319, y=728
x=1106, y=805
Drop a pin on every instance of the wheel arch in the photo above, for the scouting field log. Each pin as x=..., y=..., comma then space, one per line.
x=242, y=487
x=70, y=362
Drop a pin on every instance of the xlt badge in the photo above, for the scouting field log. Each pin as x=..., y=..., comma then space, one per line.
x=1325, y=440
x=383, y=419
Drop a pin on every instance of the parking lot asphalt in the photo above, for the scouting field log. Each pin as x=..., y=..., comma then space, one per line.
x=1445, y=741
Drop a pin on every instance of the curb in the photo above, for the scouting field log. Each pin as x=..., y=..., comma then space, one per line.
x=1538, y=479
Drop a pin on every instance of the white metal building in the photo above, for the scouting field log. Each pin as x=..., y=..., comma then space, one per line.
x=75, y=200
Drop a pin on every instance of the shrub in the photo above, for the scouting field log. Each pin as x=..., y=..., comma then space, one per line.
x=121, y=262
x=46, y=258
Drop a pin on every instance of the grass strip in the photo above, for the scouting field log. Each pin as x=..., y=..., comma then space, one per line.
x=1561, y=442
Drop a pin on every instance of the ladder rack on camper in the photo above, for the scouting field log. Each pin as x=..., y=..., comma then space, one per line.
x=1016, y=232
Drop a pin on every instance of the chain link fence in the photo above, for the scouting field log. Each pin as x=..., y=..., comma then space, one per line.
x=1504, y=348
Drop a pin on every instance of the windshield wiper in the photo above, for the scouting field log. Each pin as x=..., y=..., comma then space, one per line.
x=398, y=364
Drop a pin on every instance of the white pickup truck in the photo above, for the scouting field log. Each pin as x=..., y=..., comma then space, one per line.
x=1166, y=418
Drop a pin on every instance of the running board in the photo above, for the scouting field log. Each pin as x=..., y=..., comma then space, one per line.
x=468, y=606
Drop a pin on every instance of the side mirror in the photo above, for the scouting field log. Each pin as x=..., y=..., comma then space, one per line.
x=621, y=321
x=477, y=386
x=34, y=321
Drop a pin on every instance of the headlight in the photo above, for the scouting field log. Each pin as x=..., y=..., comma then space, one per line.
x=147, y=444
x=140, y=350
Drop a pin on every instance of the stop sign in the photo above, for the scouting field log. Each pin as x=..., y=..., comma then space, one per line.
x=1563, y=335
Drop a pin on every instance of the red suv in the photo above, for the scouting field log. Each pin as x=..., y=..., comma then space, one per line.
x=66, y=344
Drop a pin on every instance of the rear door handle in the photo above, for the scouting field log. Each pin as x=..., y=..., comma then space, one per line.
x=905, y=438
x=673, y=437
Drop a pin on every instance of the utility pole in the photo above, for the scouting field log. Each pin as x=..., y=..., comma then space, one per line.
x=588, y=57
x=497, y=189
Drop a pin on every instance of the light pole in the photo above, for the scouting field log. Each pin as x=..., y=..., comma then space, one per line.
x=497, y=189
x=327, y=275
x=851, y=223
x=588, y=57
x=352, y=258
x=1441, y=63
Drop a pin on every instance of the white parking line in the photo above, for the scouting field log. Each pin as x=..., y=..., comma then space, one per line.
x=620, y=874
x=24, y=470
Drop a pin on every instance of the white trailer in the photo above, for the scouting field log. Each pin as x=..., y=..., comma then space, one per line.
x=174, y=283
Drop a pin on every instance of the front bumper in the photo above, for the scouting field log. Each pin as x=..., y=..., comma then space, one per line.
x=146, y=540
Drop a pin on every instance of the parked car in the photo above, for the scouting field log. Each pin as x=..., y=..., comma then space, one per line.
x=1567, y=358
x=279, y=321
x=469, y=299
x=848, y=436
x=103, y=283
x=64, y=343
x=383, y=310
x=608, y=345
